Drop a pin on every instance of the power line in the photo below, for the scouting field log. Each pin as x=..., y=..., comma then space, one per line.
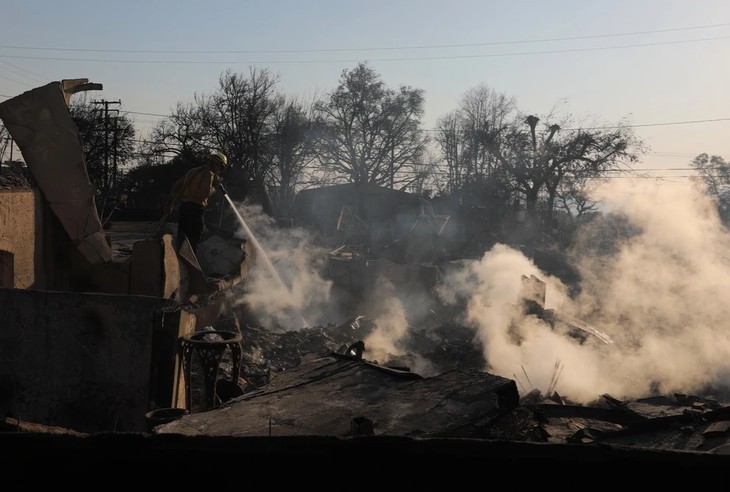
x=415, y=58
x=382, y=48
x=688, y=122
x=147, y=114
x=11, y=79
x=675, y=154
x=659, y=169
x=33, y=76
x=667, y=123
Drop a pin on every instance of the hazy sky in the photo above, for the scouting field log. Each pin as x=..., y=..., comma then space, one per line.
x=659, y=63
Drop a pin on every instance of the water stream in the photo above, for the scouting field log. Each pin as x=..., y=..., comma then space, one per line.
x=262, y=254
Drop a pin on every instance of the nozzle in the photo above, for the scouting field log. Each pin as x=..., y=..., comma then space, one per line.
x=223, y=189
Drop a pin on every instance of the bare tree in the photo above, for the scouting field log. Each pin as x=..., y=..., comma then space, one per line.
x=370, y=133
x=714, y=174
x=426, y=180
x=573, y=196
x=461, y=134
x=450, y=139
x=182, y=134
x=238, y=119
x=473, y=178
x=292, y=142
x=483, y=111
x=539, y=160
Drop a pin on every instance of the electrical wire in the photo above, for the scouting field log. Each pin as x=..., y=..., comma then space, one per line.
x=401, y=59
x=382, y=48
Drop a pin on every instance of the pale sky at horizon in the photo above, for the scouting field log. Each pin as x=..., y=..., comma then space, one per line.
x=657, y=63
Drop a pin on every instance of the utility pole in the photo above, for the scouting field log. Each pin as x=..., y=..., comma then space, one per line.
x=115, y=143
x=108, y=174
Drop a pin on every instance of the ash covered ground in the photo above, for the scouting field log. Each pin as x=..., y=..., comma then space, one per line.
x=266, y=351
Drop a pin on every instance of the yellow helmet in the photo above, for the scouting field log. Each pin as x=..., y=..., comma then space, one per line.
x=218, y=158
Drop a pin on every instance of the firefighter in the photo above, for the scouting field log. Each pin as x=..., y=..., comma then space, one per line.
x=192, y=192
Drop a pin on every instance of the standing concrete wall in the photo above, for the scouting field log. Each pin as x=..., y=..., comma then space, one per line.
x=40, y=122
x=21, y=245
x=89, y=362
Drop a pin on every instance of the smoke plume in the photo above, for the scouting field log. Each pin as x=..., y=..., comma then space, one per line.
x=285, y=289
x=658, y=291
x=654, y=270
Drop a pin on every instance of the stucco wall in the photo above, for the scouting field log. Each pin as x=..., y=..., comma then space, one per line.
x=21, y=229
x=89, y=362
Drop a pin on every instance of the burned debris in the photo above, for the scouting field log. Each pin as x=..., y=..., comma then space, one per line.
x=149, y=340
x=283, y=384
x=110, y=322
x=531, y=302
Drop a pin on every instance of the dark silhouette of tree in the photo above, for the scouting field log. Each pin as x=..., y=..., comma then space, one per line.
x=181, y=134
x=370, y=133
x=573, y=197
x=450, y=139
x=714, y=174
x=148, y=185
x=474, y=178
x=538, y=159
x=237, y=119
x=292, y=142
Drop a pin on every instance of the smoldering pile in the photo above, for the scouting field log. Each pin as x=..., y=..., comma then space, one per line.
x=266, y=351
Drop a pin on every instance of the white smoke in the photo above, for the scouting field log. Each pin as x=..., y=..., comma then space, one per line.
x=657, y=288
x=660, y=295
x=391, y=323
x=284, y=288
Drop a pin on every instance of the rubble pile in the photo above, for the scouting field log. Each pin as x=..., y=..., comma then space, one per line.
x=266, y=351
